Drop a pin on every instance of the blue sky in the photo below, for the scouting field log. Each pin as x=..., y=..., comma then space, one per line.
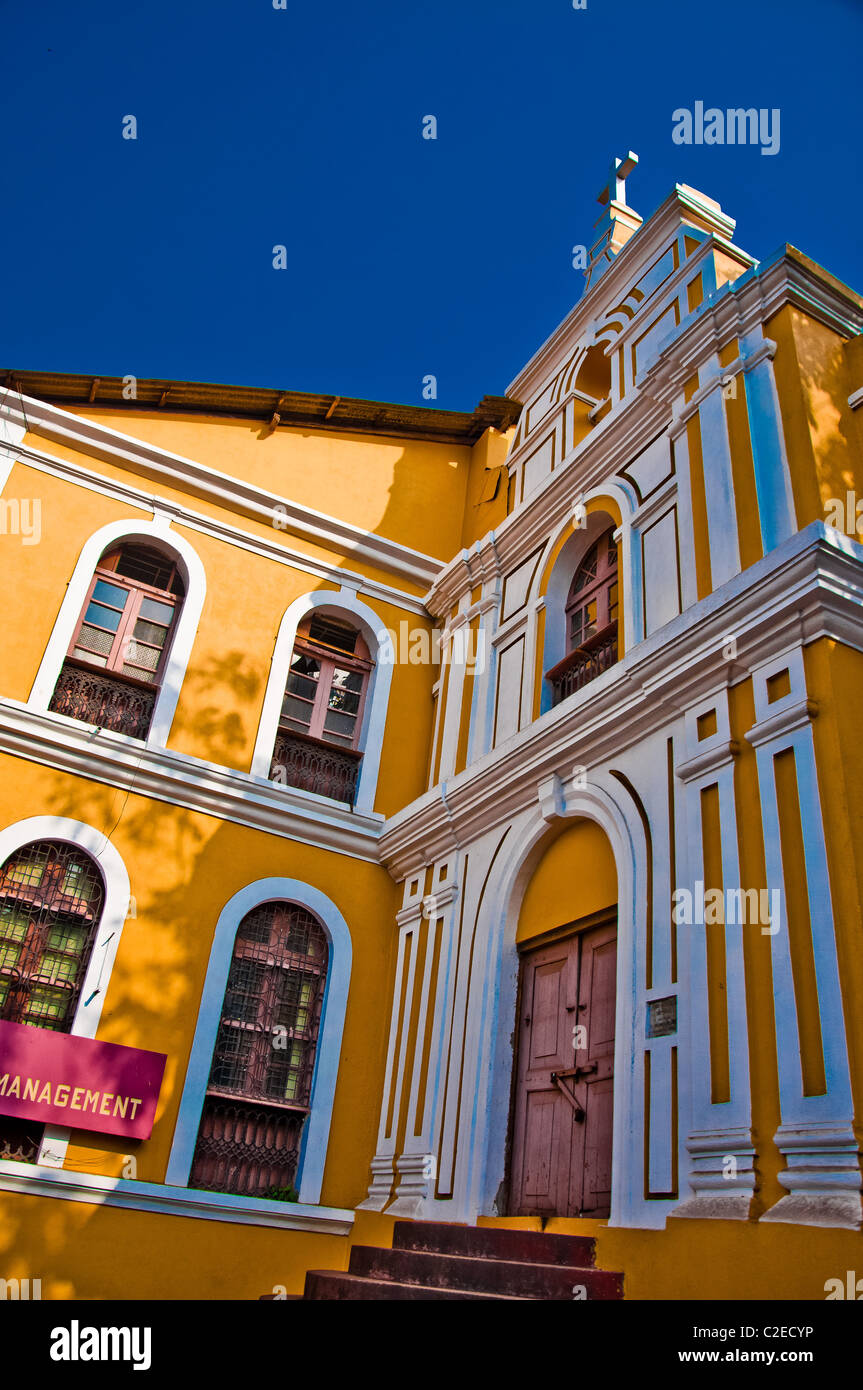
x=406, y=256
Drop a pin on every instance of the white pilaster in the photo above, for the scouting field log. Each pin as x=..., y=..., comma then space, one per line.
x=722, y=1156
x=815, y=1135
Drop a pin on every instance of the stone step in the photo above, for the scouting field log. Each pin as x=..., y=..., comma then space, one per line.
x=324, y=1284
x=502, y=1278
x=495, y=1243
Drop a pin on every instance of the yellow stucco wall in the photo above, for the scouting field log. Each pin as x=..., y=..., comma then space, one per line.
x=184, y=867
x=734, y=1260
x=412, y=491
x=81, y=1250
x=576, y=875
x=814, y=377
x=222, y=696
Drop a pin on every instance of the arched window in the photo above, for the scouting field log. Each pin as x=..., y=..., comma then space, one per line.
x=260, y=1085
x=120, y=645
x=51, y=898
x=317, y=744
x=591, y=620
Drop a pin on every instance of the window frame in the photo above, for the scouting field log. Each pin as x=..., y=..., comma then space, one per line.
x=49, y=905
x=245, y=1133
x=329, y=659
x=607, y=575
x=129, y=615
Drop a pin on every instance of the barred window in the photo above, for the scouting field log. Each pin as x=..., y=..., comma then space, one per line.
x=51, y=899
x=259, y=1090
x=120, y=646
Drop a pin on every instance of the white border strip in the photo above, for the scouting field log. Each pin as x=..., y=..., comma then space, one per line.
x=33, y=1181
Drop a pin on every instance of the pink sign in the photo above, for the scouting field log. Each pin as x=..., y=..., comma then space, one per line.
x=78, y=1083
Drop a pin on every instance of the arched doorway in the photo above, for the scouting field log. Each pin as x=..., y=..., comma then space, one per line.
x=563, y=1080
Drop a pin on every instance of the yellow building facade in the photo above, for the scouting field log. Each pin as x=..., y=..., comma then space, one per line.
x=465, y=806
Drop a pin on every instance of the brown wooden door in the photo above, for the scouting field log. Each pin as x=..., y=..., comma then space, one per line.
x=562, y=1128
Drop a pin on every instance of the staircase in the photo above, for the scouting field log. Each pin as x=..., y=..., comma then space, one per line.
x=433, y=1260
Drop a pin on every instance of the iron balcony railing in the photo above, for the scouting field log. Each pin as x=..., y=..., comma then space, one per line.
x=314, y=766
x=103, y=700
x=583, y=665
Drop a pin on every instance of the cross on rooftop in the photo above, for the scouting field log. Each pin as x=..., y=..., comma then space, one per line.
x=614, y=190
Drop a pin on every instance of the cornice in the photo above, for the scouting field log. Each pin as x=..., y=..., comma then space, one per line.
x=180, y=780
x=131, y=496
x=148, y=460
x=795, y=716
x=810, y=586
x=709, y=760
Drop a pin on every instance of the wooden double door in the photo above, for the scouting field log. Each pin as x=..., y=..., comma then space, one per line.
x=564, y=1089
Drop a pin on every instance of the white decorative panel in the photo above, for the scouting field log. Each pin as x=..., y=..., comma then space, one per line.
x=661, y=581
x=652, y=466
x=541, y=406
x=649, y=344
x=509, y=672
x=517, y=586
x=538, y=465
x=658, y=272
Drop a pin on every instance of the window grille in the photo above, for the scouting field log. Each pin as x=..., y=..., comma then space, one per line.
x=50, y=904
x=51, y=899
x=259, y=1090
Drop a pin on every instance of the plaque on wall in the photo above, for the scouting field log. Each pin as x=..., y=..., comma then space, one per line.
x=662, y=1017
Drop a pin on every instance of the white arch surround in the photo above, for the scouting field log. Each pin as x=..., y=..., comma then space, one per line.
x=571, y=553
x=335, y=602
x=115, y=909
x=159, y=531
x=607, y=806
x=313, y=1151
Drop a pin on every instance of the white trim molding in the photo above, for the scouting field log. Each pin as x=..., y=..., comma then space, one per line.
x=115, y=911
x=97, y=1190
x=310, y=1173
x=182, y=780
x=219, y=528
x=336, y=602
x=158, y=530
x=10, y=437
